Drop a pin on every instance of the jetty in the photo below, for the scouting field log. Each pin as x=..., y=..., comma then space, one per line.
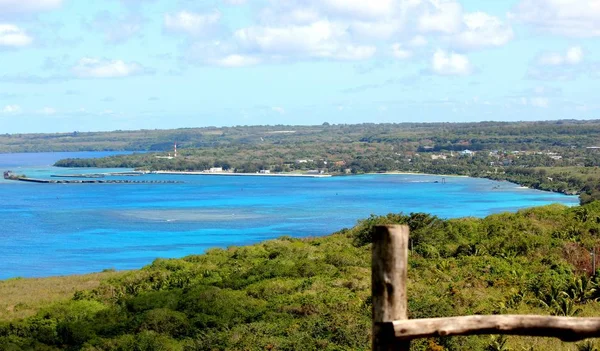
x=11, y=176
x=95, y=181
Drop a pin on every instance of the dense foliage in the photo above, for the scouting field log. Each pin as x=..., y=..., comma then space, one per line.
x=314, y=294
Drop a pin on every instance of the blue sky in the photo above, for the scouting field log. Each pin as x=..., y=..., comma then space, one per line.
x=75, y=65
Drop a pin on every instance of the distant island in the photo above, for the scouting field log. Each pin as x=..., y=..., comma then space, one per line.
x=560, y=156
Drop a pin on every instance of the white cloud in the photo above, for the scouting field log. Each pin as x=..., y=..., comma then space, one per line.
x=446, y=63
x=574, y=18
x=236, y=60
x=316, y=37
x=573, y=56
x=539, y=102
x=551, y=59
x=359, y=9
x=418, y=41
x=116, y=30
x=47, y=111
x=278, y=109
x=482, y=30
x=321, y=39
x=191, y=23
x=13, y=36
x=291, y=30
x=353, y=52
x=23, y=6
x=465, y=31
x=102, y=68
x=365, y=21
x=368, y=31
x=11, y=109
x=398, y=51
x=442, y=16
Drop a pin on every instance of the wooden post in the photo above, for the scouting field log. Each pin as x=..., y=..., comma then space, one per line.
x=388, y=282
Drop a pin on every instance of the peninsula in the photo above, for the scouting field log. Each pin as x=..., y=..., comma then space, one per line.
x=560, y=156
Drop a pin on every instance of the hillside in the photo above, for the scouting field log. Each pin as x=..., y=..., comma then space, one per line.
x=309, y=294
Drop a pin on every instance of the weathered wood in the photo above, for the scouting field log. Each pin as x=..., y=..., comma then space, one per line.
x=389, y=276
x=564, y=328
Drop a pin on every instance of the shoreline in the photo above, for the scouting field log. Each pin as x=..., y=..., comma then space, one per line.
x=298, y=175
x=425, y=174
x=302, y=174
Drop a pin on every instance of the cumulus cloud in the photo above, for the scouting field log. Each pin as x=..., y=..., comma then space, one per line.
x=191, y=23
x=11, y=109
x=418, y=41
x=369, y=31
x=563, y=66
x=359, y=9
x=574, y=18
x=573, y=56
x=482, y=30
x=441, y=17
x=101, y=68
x=539, y=102
x=235, y=60
x=25, y=6
x=341, y=30
x=321, y=39
x=398, y=51
x=278, y=109
x=47, y=111
x=466, y=31
x=13, y=36
x=450, y=63
x=116, y=30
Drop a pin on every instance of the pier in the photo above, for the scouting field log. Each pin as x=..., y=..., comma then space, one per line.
x=97, y=181
x=94, y=181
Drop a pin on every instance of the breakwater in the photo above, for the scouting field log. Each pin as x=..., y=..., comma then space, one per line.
x=95, y=181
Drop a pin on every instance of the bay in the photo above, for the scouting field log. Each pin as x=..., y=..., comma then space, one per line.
x=58, y=229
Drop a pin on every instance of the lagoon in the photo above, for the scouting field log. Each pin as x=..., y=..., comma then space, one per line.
x=58, y=229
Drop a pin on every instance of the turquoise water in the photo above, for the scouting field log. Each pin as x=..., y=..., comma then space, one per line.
x=57, y=229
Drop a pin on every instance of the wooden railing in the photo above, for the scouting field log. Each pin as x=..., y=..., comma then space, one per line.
x=392, y=330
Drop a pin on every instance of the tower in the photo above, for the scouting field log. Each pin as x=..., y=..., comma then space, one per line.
x=175, y=150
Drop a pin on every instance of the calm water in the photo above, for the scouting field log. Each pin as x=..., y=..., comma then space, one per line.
x=56, y=229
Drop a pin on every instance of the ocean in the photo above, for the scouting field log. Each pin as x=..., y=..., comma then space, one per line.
x=59, y=229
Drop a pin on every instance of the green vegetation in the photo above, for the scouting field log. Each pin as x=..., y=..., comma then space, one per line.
x=25, y=297
x=557, y=156
x=314, y=294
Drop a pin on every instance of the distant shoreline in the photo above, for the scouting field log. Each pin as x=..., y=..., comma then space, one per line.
x=426, y=174
x=244, y=174
x=302, y=175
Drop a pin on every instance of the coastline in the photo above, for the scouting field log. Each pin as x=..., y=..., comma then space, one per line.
x=301, y=174
x=426, y=174
x=298, y=175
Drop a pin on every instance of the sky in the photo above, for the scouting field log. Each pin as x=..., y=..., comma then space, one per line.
x=80, y=65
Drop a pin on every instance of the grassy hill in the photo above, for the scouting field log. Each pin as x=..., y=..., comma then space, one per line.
x=314, y=294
